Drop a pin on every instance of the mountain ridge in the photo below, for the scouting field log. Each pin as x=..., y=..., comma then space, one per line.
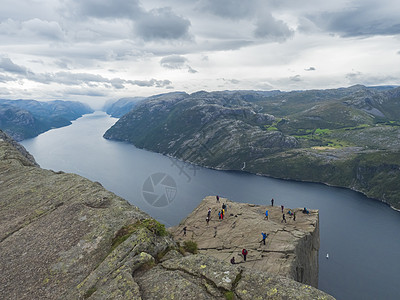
x=347, y=137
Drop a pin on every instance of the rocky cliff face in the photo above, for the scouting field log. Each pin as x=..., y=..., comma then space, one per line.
x=291, y=248
x=346, y=137
x=24, y=119
x=65, y=237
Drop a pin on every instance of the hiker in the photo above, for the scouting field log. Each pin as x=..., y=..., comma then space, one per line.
x=217, y=198
x=233, y=260
x=305, y=211
x=290, y=213
x=264, y=236
x=184, y=231
x=223, y=206
x=283, y=218
x=219, y=215
x=282, y=207
x=207, y=220
x=294, y=216
x=244, y=252
x=209, y=213
x=266, y=214
x=222, y=214
x=272, y=202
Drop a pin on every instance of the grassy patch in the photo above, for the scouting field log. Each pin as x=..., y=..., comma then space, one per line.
x=229, y=295
x=190, y=246
x=89, y=292
x=127, y=230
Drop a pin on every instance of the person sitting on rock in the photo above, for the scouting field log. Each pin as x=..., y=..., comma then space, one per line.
x=233, y=260
x=290, y=213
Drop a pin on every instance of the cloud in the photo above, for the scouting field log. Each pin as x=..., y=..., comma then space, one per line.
x=47, y=29
x=310, y=69
x=7, y=65
x=295, y=78
x=73, y=79
x=5, y=78
x=361, y=18
x=32, y=30
x=232, y=81
x=162, y=24
x=176, y=62
x=191, y=70
x=84, y=92
x=271, y=29
x=173, y=62
x=232, y=9
x=108, y=9
x=151, y=82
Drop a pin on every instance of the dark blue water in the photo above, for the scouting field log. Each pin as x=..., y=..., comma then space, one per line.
x=361, y=235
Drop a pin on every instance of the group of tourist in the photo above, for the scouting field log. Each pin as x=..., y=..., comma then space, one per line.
x=221, y=214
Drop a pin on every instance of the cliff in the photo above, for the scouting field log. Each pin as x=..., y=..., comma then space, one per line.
x=65, y=237
x=343, y=137
x=291, y=247
x=23, y=119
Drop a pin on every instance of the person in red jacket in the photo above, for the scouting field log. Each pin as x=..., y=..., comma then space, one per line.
x=244, y=252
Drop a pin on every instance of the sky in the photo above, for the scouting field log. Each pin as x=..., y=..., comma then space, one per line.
x=99, y=50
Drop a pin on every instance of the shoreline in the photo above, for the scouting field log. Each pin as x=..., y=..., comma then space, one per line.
x=260, y=174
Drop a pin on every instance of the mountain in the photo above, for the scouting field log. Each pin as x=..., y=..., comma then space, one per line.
x=122, y=106
x=346, y=137
x=65, y=237
x=24, y=119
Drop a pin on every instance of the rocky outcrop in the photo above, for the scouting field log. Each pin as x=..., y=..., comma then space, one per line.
x=65, y=237
x=291, y=248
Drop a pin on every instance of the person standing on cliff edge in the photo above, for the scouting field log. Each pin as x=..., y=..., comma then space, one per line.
x=244, y=253
x=272, y=202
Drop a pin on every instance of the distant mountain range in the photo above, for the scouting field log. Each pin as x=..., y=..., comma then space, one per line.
x=124, y=105
x=23, y=119
x=347, y=137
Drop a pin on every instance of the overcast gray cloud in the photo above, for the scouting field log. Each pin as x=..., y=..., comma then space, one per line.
x=176, y=62
x=361, y=18
x=108, y=9
x=271, y=29
x=173, y=62
x=233, y=9
x=7, y=65
x=100, y=48
x=162, y=23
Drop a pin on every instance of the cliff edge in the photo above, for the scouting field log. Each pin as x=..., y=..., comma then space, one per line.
x=291, y=247
x=65, y=237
